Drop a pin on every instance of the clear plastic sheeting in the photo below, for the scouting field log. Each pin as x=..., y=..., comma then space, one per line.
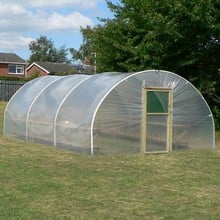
x=44, y=118
x=19, y=106
x=103, y=113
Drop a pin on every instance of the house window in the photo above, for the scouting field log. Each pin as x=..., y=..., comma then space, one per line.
x=15, y=69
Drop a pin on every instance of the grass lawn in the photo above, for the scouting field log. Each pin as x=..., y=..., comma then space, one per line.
x=40, y=182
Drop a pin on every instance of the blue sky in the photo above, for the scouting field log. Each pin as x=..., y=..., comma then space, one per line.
x=60, y=20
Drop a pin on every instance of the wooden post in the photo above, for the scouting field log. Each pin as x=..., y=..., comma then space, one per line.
x=170, y=125
x=143, y=120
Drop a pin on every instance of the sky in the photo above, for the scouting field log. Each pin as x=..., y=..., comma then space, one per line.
x=22, y=21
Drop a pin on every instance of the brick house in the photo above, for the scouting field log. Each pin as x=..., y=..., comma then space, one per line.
x=11, y=65
x=48, y=68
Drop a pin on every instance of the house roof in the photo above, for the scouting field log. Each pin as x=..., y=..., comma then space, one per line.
x=52, y=68
x=11, y=58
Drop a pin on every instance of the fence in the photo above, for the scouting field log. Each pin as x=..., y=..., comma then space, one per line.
x=8, y=88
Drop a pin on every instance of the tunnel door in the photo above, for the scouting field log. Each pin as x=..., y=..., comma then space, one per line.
x=156, y=132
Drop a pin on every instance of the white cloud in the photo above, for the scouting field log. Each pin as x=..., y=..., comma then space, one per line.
x=86, y=4
x=58, y=22
x=20, y=20
x=12, y=41
x=15, y=9
x=64, y=3
x=71, y=21
x=17, y=18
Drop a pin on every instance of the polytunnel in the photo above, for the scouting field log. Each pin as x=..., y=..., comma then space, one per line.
x=152, y=111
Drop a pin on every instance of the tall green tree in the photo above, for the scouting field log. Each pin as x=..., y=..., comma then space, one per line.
x=43, y=49
x=177, y=35
x=85, y=51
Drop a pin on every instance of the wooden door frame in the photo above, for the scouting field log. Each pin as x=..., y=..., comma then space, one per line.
x=143, y=141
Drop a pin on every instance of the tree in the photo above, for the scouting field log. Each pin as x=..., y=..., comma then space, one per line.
x=86, y=55
x=85, y=49
x=43, y=50
x=176, y=35
x=60, y=55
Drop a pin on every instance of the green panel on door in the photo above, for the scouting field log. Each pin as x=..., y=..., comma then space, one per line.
x=157, y=101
